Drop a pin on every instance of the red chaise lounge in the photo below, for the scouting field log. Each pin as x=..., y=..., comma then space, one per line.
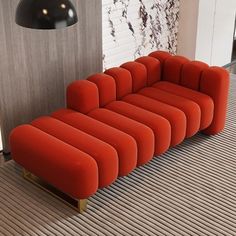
x=119, y=119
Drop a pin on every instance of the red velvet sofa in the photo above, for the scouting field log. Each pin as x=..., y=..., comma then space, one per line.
x=119, y=119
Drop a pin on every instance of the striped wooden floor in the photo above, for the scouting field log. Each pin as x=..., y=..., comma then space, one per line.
x=190, y=190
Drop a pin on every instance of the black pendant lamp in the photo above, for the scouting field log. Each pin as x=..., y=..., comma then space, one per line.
x=46, y=14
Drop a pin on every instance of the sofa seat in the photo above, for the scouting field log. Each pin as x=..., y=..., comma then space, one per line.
x=191, y=109
x=160, y=126
x=116, y=138
x=175, y=116
x=142, y=134
x=204, y=101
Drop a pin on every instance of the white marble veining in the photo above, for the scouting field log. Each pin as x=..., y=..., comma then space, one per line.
x=132, y=28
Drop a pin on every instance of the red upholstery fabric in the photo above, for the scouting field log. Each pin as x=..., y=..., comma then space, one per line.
x=215, y=83
x=153, y=67
x=173, y=69
x=204, y=101
x=82, y=96
x=104, y=154
x=163, y=98
x=159, y=125
x=190, y=108
x=175, y=116
x=63, y=166
x=142, y=134
x=106, y=86
x=161, y=56
x=123, y=81
x=116, y=138
x=191, y=74
x=139, y=75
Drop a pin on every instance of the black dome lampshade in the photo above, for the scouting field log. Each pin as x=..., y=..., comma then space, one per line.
x=45, y=14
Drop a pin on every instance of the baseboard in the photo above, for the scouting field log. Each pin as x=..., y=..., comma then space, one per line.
x=229, y=64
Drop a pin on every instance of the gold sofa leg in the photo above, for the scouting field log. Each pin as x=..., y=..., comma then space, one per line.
x=78, y=204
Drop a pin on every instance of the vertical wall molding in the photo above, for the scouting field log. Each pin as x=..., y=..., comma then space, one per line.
x=36, y=66
x=134, y=28
x=206, y=30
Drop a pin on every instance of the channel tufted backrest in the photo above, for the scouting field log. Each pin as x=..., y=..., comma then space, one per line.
x=171, y=66
x=191, y=74
x=153, y=67
x=157, y=70
x=139, y=75
x=82, y=96
x=161, y=56
x=180, y=70
x=106, y=86
x=123, y=80
x=172, y=69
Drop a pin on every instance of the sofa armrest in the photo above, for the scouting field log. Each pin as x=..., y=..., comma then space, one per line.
x=82, y=96
x=59, y=164
x=196, y=75
x=215, y=83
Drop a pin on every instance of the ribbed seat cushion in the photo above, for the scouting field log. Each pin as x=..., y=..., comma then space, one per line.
x=63, y=166
x=159, y=125
x=116, y=138
x=141, y=133
x=103, y=153
x=204, y=101
x=175, y=116
x=190, y=108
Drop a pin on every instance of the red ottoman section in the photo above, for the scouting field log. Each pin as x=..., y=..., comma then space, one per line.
x=116, y=138
x=104, y=154
x=60, y=164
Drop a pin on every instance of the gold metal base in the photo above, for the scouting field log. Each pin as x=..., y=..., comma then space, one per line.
x=79, y=205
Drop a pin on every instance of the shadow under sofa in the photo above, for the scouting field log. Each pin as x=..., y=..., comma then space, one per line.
x=120, y=119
